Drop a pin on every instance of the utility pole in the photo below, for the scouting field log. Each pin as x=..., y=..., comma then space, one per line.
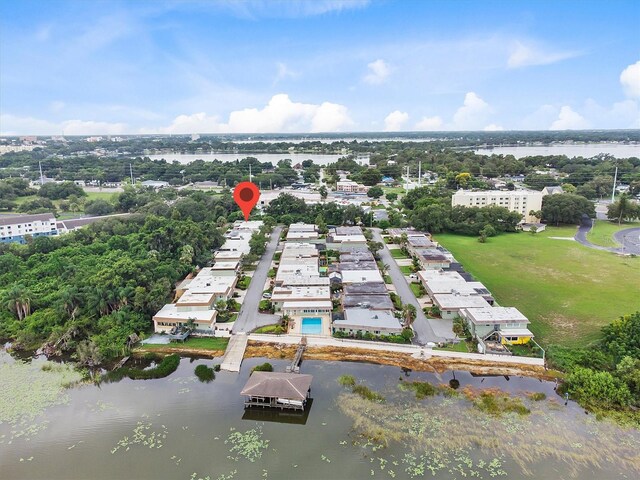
x=133, y=182
x=249, y=172
x=615, y=179
x=406, y=185
x=419, y=173
x=41, y=176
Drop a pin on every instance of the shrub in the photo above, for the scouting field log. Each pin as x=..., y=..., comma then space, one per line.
x=422, y=389
x=265, y=367
x=216, y=367
x=166, y=367
x=537, y=396
x=204, y=373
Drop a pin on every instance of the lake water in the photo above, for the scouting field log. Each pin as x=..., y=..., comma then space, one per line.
x=180, y=428
x=274, y=158
x=587, y=151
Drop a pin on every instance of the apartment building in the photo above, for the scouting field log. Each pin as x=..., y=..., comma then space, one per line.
x=520, y=201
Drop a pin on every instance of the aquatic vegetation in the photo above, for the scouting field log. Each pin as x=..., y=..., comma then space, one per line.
x=422, y=389
x=537, y=396
x=37, y=388
x=265, y=367
x=495, y=402
x=249, y=445
x=347, y=380
x=143, y=434
x=438, y=442
x=205, y=374
x=366, y=393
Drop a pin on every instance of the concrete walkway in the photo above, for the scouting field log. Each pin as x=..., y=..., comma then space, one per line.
x=427, y=330
x=235, y=353
x=248, y=318
x=414, y=350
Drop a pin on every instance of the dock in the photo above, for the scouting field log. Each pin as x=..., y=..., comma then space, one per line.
x=121, y=363
x=297, y=359
x=235, y=353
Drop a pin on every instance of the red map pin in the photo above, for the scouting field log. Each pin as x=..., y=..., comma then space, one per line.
x=246, y=195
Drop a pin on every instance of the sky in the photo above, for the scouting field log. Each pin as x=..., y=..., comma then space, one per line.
x=285, y=66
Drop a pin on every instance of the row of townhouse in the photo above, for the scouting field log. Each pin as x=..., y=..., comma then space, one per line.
x=196, y=297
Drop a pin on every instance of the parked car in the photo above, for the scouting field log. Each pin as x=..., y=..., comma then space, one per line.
x=413, y=275
x=266, y=295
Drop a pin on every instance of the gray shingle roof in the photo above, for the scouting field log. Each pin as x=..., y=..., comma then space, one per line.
x=292, y=386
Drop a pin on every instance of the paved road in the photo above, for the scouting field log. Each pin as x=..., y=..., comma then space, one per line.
x=249, y=318
x=628, y=238
x=421, y=325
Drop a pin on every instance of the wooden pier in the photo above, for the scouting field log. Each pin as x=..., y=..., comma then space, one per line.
x=297, y=359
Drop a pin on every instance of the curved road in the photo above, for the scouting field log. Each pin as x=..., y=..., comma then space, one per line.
x=628, y=238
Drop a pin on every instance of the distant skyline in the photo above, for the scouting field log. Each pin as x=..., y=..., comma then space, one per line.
x=258, y=66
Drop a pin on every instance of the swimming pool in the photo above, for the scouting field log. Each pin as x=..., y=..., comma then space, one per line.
x=312, y=325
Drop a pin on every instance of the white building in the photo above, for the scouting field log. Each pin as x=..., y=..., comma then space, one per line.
x=520, y=201
x=364, y=320
x=15, y=228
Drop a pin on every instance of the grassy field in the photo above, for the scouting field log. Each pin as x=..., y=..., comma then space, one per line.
x=458, y=347
x=397, y=253
x=569, y=292
x=602, y=232
x=200, y=343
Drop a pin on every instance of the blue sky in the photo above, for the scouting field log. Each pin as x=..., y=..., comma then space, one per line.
x=111, y=67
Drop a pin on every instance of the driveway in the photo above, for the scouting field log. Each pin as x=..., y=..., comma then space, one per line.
x=248, y=317
x=424, y=327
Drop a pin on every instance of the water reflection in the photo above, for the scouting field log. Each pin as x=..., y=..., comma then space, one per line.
x=294, y=417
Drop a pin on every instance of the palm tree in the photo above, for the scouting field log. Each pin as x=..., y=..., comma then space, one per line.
x=19, y=301
x=70, y=302
x=409, y=311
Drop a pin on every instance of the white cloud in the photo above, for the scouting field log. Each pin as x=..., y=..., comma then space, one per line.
x=429, y=123
x=284, y=72
x=287, y=8
x=14, y=125
x=472, y=114
x=378, y=72
x=278, y=116
x=630, y=80
x=569, y=120
x=492, y=127
x=529, y=55
x=395, y=121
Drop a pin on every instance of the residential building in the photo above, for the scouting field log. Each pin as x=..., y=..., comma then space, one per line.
x=284, y=294
x=431, y=258
x=346, y=238
x=360, y=276
x=364, y=320
x=349, y=186
x=454, y=284
x=507, y=323
x=302, y=231
x=519, y=201
x=16, y=228
x=305, y=309
x=450, y=304
x=170, y=316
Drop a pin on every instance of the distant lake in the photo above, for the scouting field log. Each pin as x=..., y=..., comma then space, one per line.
x=274, y=158
x=588, y=150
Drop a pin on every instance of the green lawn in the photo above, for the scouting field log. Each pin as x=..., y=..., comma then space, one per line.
x=406, y=270
x=397, y=253
x=417, y=290
x=201, y=343
x=461, y=346
x=569, y=292
x=100, y=195
x=602, y=232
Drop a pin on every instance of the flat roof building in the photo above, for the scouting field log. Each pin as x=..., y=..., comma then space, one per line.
x=520, y=201
x=361, y=276
x=376, y=322
x=451, y=304
x=14, y=228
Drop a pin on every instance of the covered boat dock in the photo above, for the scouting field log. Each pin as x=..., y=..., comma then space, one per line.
x=277, y=390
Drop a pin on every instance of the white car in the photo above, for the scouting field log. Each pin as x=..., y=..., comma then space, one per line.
x=266, y=295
